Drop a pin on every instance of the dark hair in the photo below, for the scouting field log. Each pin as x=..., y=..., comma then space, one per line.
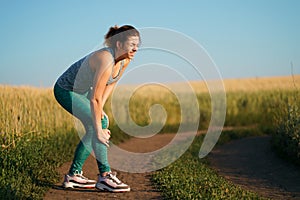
x=121, y=34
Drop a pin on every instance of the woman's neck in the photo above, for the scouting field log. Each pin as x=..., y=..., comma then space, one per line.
x=119, y=55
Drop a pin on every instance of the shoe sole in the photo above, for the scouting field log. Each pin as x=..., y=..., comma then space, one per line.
x=103, y=187
x=77, y=185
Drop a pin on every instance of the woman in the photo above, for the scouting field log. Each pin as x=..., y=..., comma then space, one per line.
x=82, y=90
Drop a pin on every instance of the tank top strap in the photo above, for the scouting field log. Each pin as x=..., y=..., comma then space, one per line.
x=117, y=77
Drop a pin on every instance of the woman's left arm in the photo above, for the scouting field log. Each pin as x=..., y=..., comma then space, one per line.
x=109, y=88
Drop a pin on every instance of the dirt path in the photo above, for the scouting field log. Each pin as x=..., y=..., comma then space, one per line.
x=252, y=164
x=248, y=162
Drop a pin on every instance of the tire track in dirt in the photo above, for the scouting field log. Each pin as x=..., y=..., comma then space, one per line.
x=251, y=163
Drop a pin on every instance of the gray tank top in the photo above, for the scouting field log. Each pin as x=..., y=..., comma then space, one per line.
x=79, y=76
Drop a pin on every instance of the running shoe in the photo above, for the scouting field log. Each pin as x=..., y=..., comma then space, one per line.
x=111, y=183
x=78, y=180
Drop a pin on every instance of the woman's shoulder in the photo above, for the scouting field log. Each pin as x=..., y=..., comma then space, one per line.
x=103, y=53
x=101, y=56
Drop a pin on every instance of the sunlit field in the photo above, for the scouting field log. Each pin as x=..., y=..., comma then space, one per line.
x=34, y=129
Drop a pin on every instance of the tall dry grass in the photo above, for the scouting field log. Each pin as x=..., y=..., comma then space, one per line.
x=29, y=112
x=254, y=84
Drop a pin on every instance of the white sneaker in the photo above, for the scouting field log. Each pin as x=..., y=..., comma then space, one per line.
x=78, y=180
x=111, y=183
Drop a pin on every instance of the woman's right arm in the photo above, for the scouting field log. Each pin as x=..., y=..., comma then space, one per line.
x=101, y=63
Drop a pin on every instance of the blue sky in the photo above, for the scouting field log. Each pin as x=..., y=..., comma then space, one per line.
x=40, y=39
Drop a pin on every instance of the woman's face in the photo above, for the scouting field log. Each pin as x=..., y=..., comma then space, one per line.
x=130, y=47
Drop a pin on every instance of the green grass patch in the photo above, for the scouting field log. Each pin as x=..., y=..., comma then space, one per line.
x=286, y=138
x=29, y=169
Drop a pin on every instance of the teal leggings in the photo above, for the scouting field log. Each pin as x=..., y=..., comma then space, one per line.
x=79, y=106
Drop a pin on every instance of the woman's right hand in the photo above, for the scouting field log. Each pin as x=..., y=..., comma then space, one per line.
x=103, y=136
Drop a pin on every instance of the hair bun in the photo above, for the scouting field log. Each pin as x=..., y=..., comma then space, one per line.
x=112, y=31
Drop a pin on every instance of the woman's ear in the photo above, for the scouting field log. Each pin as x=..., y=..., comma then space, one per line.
x=119, y=45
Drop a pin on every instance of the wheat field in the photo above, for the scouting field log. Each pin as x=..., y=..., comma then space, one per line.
x=30, y=111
